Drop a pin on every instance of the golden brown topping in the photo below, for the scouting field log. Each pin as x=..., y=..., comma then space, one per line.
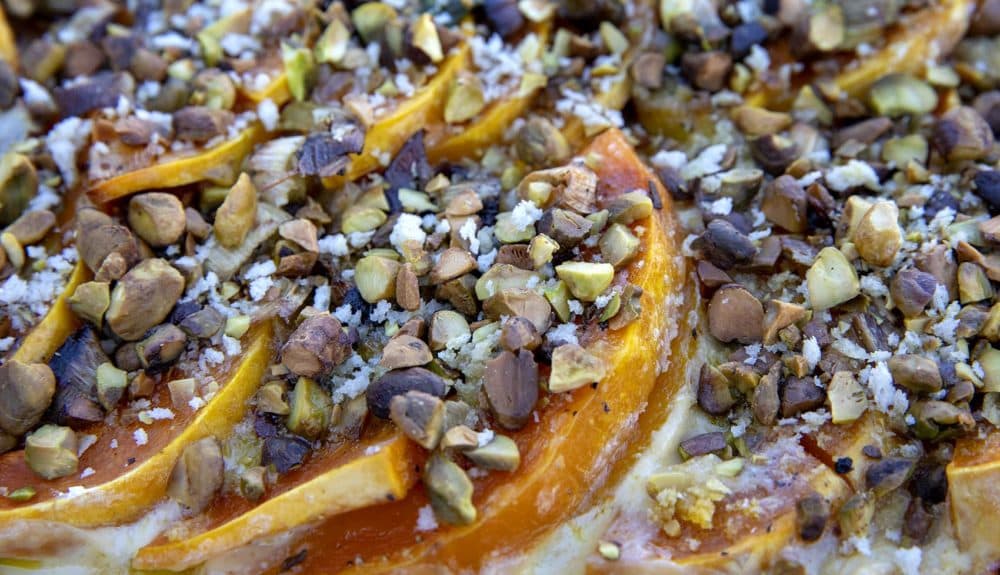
x=765, y=401
x=454, y=262
x=754, y=121
x=540, y=143
x=877, y=237
x=407, y=288
x=784, y=203
x=831, y=280
x=271, y=398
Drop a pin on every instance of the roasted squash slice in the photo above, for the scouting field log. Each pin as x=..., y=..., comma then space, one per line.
x=8, y=48
x=219, y=165
x=45, y=338
x=127, y=481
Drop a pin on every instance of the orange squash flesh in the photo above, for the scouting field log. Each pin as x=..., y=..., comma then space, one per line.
x=974, y=492
x=45, y=338
x=8, y=48
x=128, y=480
x=567, y=454
x=219, y=165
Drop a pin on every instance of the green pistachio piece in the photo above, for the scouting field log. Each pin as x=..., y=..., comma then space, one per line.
x=450, y=491
x=574, y=367
x=559, y=296
x=586, y=280
x=618, y=245
x=541, y=249
x=111, y=384
x=509, y=233
x=51, y=451
x=299, y=67
x=310, y=409
x=630, y=207
x=501, y=453
x=901, y=94
x=503, y=276
x=376, y=278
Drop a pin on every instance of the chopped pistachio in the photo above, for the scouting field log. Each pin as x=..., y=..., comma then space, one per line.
x=962, y=134
x=18, y=185
x=331, y=47
x=416, y=202
x=609, y=550
x=425, y=37
x=309, y=415
x=371, y=18
x=111, y=384
x=631, y=207
x=447, y=326
x=586, y=280
x=450, y=491
x=376, y=278
x=541, y=248
x=901, y=94
x=157, y=217
x=539, y=142
x=420, y=416
x=453, y=263
x=508, y=232
x=989, y=360
x=878, y=236
x=501, y=453
x=22, y=494
x=197, y=475
x=973, y=285
x=618, y=245
x=271, y=398
x=559, y=296
x=574, y=367
x=831, y=280
x=916, y=373
x=143, y=297
x=504, y=276
x=465, y=99
x=90, y=300
x=236, y=215
x=14, y=250
x=237, y=325
x=847, y=398
x=906, y=149
x=299, y=68
x=51, y=451
x=519, y=302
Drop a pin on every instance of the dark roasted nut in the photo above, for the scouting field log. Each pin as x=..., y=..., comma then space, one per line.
x=868, y=131
x=888, y=474
x=284, y=452
x=734, y=314
x=567, y=228
x=647, y=69
x=912, y=290
x=460, y=293
x=99, y=91
x=784, y=203
x=962, y=134
x=156, y=217
x=724, y=245
x=197, y=475
x=712, y=442
x=317, y=346
x=800, y=394
x=811, y=514
x=161, y=347
x=774, y=153
x=26, y=390
x=143, y=298
x=405, y=351
x=380, y=393
x=310, y=410
x=519, y=333
x=520, y=302
x=517, y=255
x=9, y=86
x=511, y=385
x=715, y=396
x=711, y=276
x=203, y=323
x=97, y=238
x=200, y=124
x=915, y=373
x=940, y=263
x=420, y=416
x=707, y=70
